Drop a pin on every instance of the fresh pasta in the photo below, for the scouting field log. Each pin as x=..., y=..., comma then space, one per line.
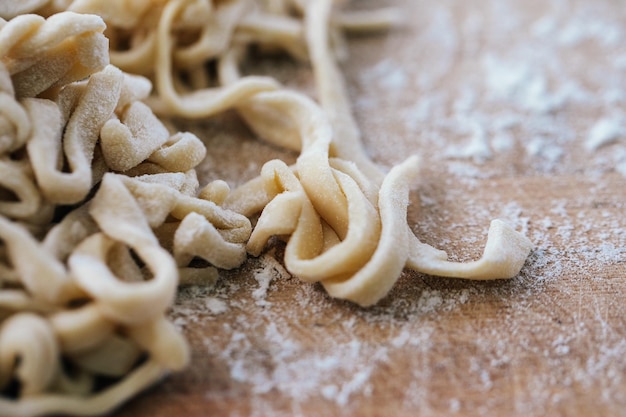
x=102, y=216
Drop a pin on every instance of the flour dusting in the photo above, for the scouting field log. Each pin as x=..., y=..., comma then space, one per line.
x=604, y=132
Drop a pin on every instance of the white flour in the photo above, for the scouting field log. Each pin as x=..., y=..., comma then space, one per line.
x=604, y=132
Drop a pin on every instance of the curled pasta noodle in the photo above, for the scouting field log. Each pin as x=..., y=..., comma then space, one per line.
x=194, y=228
x=232, y=226
x=101, y=403
x=31, y=263
x=128, y=141
x=114, y=357
x=28, y=337
x=374, y=280
x=204, y=102
x=216, y=33
x=180, y=153
x=123, y=302
x=44, y=53
x=80, y=329
x=16, y=178
x=504, y=255
x=75, y=139
x=14, y=123
x=323, y=205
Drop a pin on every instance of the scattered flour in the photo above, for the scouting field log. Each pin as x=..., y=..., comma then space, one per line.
x=604, y=132
x=546, y=150
x=216, y=305
x=581, y=29
x=519, y=82
x=267, y=350
x=477, y=147
x=621, y=167
x=269, y=269
x=387, y=74
x=264, y=278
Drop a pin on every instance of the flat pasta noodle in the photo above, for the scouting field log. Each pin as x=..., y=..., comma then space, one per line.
x=16, y=178
x=14, y=123
x=44, y=53
x=332, y=91
x=125, y=223
x=28, y=337
x=128, y=141
x=73, y=136
x=101, y=403
x=81, y=329
x=31, y=262
x=304, y=202
x=376, y=277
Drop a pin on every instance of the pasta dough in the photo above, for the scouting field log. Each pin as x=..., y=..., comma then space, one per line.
x=102, y=216
x=86, y=297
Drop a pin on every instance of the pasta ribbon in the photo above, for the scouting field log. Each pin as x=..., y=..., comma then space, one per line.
x=27, y=343
x=14, y=123
x=72, y=131
x=358, y=251
x=41, y=54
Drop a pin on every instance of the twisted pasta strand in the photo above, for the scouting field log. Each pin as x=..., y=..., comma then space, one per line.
x=44, y=53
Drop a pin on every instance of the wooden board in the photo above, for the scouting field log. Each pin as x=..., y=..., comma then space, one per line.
x=503, y=99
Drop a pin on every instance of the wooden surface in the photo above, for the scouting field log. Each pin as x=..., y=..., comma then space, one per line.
x=502, y=99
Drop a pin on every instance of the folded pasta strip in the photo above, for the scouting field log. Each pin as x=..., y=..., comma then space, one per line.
x=336, y=235
x=41, y=54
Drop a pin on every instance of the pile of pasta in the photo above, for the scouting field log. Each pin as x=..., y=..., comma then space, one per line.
x=102, y=215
